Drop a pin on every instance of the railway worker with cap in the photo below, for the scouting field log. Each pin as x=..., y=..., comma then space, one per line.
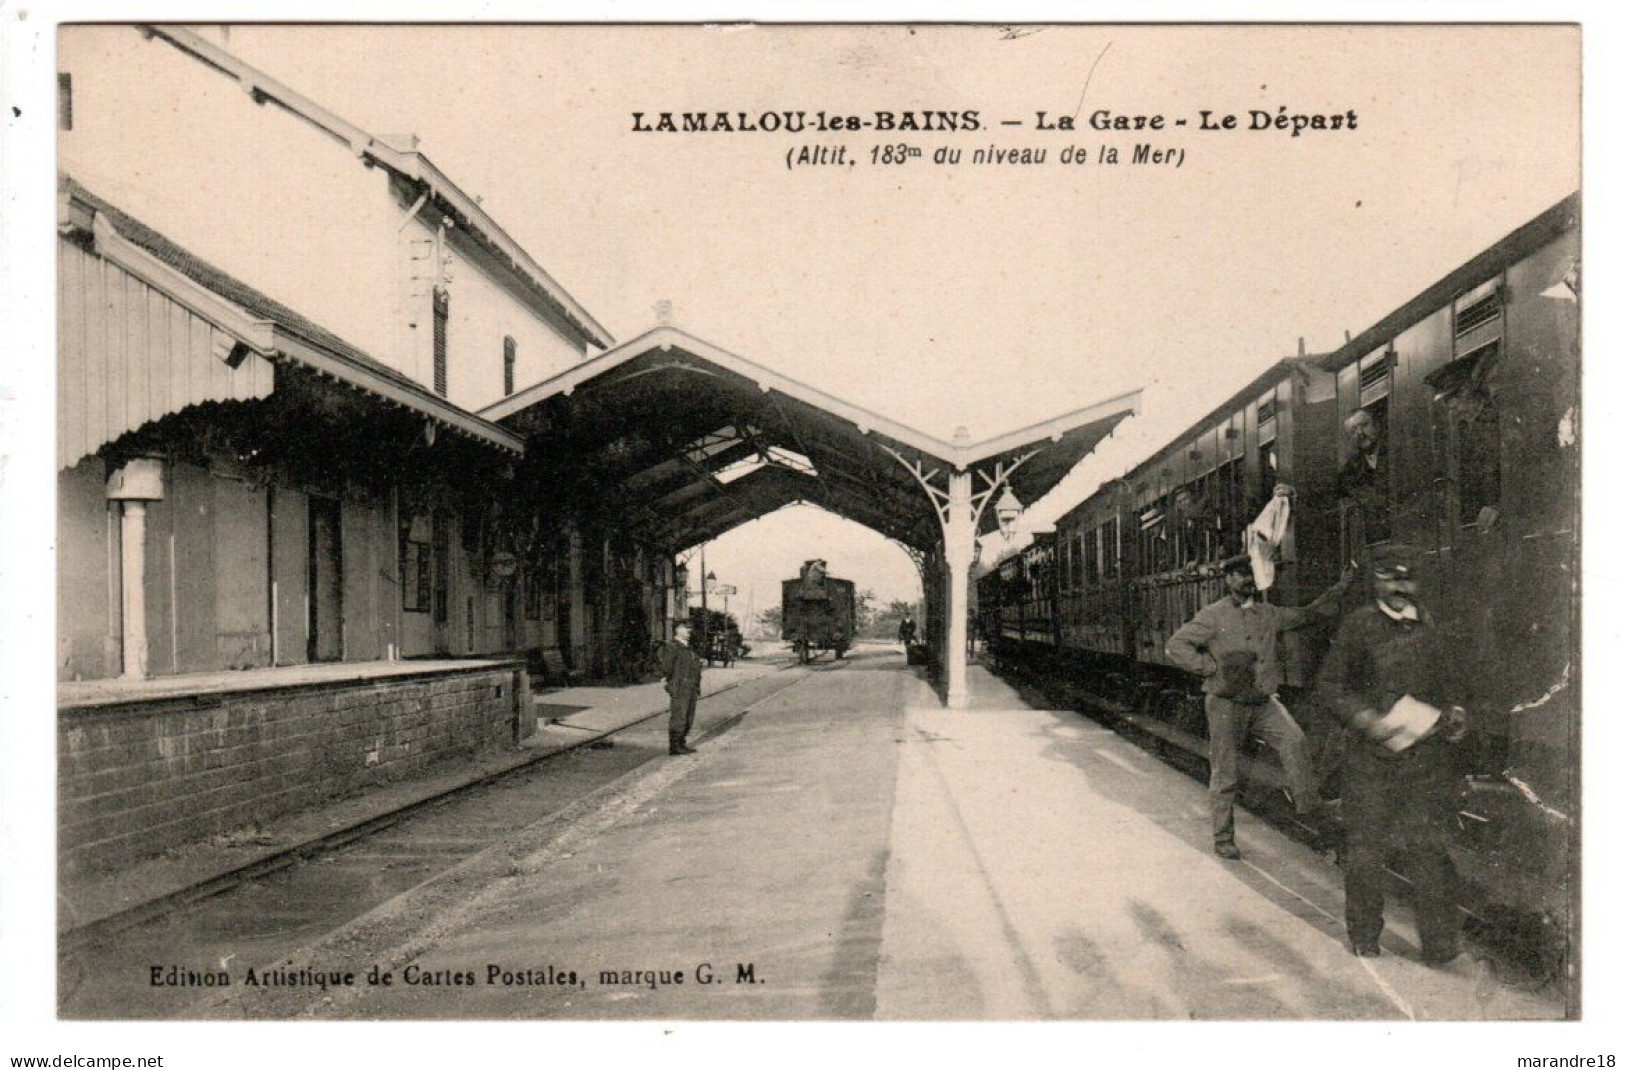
x=1232, y=645
x=681, y=667
x=1389, y=676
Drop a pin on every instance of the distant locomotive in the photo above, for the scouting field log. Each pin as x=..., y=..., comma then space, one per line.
x=1472, y=388
x=820, y=612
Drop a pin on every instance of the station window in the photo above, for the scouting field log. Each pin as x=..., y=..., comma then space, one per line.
x=442, y=312
x=1155, y=551
x=510, y=356
x=442, y=567
x=1110, y=549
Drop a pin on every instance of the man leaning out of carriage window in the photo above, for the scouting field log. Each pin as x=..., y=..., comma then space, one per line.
x=1231, y=643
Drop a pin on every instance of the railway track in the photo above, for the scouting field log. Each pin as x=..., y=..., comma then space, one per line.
x=267, y=911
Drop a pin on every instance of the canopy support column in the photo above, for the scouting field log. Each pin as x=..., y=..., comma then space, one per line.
x=959, y=507
x=958, y=551
x=138, y=482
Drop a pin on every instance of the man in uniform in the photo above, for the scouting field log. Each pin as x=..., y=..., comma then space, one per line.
x=1232, y=645
x=1388, y=676
x=681, y=667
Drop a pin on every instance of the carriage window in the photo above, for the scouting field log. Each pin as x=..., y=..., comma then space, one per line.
x=1266, y=419
x=1478, y=438
x=1374, y=377
x=1478, y=308
x=1268, y=458
x=1153, y=538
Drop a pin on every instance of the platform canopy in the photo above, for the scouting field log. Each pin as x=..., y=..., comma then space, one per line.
x=689, y=441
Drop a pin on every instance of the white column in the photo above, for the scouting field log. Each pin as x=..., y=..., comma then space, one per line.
x=135, y=484
x=959, y=547
x=133, y=568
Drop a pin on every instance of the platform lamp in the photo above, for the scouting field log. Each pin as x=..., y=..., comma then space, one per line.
x=1007, y=509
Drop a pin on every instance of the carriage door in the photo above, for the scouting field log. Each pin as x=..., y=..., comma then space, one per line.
x=325, y=640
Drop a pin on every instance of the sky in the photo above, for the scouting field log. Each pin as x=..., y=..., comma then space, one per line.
x=982, y=296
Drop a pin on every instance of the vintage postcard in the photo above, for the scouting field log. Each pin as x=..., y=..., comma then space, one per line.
x=817, y=523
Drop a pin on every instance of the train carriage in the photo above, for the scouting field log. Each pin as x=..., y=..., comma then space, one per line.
x=1473, y=390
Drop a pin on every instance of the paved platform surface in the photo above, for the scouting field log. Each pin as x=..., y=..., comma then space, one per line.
x=851, y=850
x=596, y=713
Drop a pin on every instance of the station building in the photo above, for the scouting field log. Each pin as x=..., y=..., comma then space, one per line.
x=341, y=466
x=275, y=493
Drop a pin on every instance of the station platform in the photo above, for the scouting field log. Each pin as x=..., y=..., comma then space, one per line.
x=852, y=850
x=565, y=718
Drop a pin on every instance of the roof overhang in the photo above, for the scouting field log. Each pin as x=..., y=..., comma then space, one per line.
x=274, y=340
x=669, y=414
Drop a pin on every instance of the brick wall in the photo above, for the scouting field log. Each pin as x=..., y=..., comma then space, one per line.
x=136, y=779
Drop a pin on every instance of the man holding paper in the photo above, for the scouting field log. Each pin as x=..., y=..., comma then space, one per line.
x=1388, y=676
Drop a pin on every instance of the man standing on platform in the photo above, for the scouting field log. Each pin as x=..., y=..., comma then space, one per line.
x=681, y=667
x=1388, y=676
x=1232, y=645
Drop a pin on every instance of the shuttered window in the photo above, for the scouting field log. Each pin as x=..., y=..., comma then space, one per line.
x=1482, y=311
x=510, y=356
x=442, y=311
x=1374, y=377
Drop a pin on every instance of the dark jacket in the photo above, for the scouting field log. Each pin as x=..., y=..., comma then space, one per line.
x=1208, y=642
x=681, y=667
x=1375, y=660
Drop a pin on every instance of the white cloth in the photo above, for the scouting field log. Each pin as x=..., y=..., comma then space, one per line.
x=1409, y=720
x=1264, y=538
